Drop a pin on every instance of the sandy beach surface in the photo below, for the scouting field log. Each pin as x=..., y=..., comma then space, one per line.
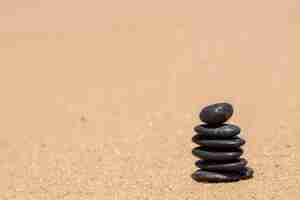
x=99, y=98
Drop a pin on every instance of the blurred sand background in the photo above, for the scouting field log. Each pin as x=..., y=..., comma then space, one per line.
x=99, y=98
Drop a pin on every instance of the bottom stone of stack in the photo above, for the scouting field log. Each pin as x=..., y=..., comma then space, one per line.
x=213, y=176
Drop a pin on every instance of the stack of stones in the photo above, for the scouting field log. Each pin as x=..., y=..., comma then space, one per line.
x=219, y=148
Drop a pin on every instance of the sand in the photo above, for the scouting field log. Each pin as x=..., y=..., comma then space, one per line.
x=99, y=99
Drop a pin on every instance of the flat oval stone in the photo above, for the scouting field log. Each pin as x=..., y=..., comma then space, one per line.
x=222, y=131
x=216, y=113
x=209, y=176
x=235, y=165
x=218, y=143
x=215, y=154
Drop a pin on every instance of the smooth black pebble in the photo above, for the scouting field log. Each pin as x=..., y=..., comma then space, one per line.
x=216, y=113
x=218, y=143
x=210, y=176
x=246, y=173
x=216, y=154
x=223, y=131
x=234, y=165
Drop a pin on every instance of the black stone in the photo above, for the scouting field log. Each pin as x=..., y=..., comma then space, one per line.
x=223, y=131
x=246, y=173
x=234, y=165
x=215, y=154
x=218, y=143
x=209, y=176
x=216, y=113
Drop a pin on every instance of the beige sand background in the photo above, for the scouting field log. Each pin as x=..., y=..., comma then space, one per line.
x=99, y=98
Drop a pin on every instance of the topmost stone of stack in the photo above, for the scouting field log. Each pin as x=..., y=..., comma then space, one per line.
x=216, y=113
